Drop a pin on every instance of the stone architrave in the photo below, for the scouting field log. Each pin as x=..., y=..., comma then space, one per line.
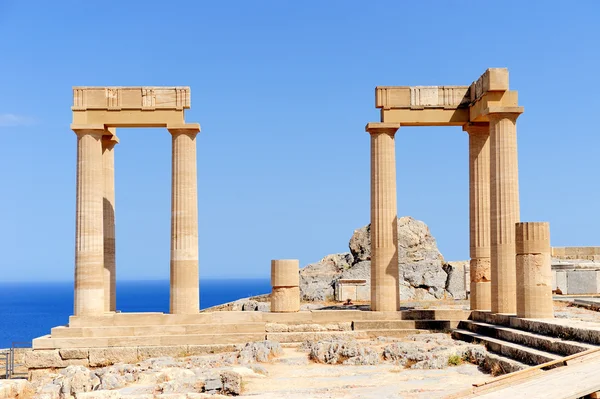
x=385, y=291
x=108, y=168
x=89, y=231
x=534, y=272
x=285, y=279
x=479, y=215
x=504, y=208
x=185, y=285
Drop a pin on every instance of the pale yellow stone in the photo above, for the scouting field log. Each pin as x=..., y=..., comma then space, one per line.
x=479, y=215
x=285, y=272
x=285, y=299
x=185, y=286
x=385, y=294
x=504, y=209
x=108, y=171
x=534, y=274
x=89, y=236
x=106, y=356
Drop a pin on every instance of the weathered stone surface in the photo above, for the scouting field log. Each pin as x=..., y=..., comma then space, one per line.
x=316, y=279
x=41, y=359
x=232, y=382
x=146, y=352
x=259, y=351
x=14, y=388
x=422, y=275
x=342, y=351
x=250, y=305
x=76, y=379
x=107, y=356
x=102, y=394
x=67, y=354
x=455, y=283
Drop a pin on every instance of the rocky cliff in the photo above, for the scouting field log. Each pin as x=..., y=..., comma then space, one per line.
x=423, y=273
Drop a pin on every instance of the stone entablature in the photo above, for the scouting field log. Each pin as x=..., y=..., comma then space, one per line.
x=121, y=98
x=587, y=253
x=418, y=97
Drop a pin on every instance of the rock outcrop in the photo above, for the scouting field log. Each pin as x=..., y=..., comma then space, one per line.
x=422, y=273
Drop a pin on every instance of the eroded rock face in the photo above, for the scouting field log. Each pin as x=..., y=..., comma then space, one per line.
x=422, y=276
x=317, y=279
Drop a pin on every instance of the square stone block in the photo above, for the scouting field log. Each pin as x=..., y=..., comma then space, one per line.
x=583, y=282
x=559, y=281
x=363, y=293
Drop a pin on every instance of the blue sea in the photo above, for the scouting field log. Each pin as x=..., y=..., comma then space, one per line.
x=29, y=310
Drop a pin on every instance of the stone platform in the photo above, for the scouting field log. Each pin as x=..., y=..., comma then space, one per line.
x=130, y=337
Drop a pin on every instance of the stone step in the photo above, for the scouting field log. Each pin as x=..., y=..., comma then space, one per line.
x=286, y=337
x=533, y=340
x=569, y=329
x=404, y=324
x=48, y=342
x=514, y=351
x=138, y=331
x=393, y=332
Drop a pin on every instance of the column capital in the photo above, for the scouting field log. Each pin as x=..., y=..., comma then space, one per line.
x=188, y=128
x=381, y=127
x=477, y=128
x=94, y=130
x=496, y=113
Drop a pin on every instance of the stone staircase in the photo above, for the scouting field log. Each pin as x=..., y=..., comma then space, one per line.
x=528, y=341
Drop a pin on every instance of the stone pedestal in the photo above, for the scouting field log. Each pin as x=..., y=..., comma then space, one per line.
x=108, y=202
x=504, y=209
x=89, y=236
x=479, y=215
x=534, y=274
x=385, y=291
x=185, y=285
x=285, y=279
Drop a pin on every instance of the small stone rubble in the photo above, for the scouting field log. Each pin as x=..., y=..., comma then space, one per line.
x=224, y=374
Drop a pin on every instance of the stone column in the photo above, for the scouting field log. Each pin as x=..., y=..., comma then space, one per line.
x=285, y=279
x=108, y=168
x=479, y=214
x=185, y=285
x=89, y=236
x=504, y=209
x=534, y=272
x=385, y=287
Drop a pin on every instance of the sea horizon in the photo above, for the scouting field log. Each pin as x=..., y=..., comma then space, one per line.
x=29, y=309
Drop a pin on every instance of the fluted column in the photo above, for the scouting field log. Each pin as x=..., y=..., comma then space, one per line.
x=534, y=271
x=384, y=218
x=89, y=238
x=479, y=214
x=185, y=289
x=108, y=168
x=504, y=210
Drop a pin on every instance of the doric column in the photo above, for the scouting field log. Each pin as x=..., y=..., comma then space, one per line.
x=504, y=209
x=108, y=171
x=479, y=214
x=384, y=218
x=534, y=271
x=89, y=238
x=285, y=293
x=185, y=289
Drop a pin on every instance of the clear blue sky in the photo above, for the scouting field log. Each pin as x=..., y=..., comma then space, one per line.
x=283, y=91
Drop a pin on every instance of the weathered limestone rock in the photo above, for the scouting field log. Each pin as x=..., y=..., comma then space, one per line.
x=101, y=394
x=74, y=353
x=232, y=382
x=316, y=279
x=341, y=351
x=13, y=388
x=259, y=351
x=74, y=380
x=41, y=359
x=422, y=275
x=456, y=281
x=106, y=356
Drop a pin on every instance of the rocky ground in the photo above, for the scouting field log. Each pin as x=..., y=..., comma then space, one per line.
x=419, y=366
